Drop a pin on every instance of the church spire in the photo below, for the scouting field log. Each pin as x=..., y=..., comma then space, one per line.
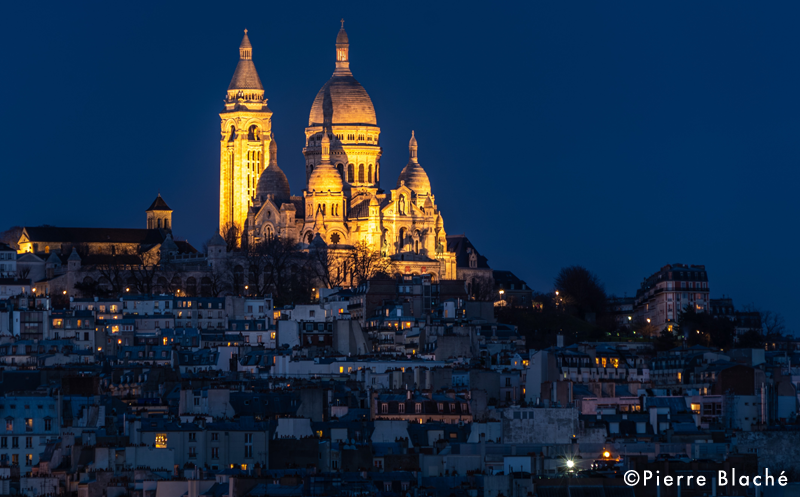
x=342, y=52
x=245, y=48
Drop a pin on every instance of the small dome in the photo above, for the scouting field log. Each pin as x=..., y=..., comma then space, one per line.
x=413, y=176
x=273, y=182
x=325, y=177
x=341, y=38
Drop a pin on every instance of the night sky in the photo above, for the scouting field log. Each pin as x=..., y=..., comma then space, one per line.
x=621, y=136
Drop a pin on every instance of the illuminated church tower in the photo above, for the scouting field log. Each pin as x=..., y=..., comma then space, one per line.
x=343, y=108
x=246, y=128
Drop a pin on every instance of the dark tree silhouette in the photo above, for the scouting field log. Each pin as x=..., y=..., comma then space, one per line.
x=581, y=289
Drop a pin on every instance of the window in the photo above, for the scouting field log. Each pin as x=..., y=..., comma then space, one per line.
x=401, y=408
x=361, y=173
x=215, y=437
x=9, y=424
x=193, y=437
x=4, y=443
x=418, y=408
x=350, y=175
x=248, y=445
x=15, y=459
x=15, y=442
x=28, y=442
x=161, y=441
x=192, y=452
x=215, y=453
x=369, y=175
x=28, y=459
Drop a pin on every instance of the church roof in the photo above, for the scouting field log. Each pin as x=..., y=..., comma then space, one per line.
x=462, y=247
x=158, y=205
x=93, y=235
x=359, y=210
x=342, y=100
x=245, y=77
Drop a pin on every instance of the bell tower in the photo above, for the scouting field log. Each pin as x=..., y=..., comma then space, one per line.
x=245, y=135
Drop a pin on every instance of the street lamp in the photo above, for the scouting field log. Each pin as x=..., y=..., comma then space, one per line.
x=648, y=320
x=127, y=289
x=570, y=463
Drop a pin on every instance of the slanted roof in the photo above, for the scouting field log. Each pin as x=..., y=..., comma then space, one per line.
x=158, y=205
x=461, y=246
x=93, y=235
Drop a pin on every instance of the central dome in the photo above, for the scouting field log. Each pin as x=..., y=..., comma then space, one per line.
x=342, y=101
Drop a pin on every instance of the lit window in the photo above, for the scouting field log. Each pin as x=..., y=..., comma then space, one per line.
x=161, y=441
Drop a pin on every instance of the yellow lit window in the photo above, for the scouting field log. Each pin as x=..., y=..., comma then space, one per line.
x=695, y=408
x=272, y=335
x=341, y=369
x=597, y=360
x=604, y=362
x=615, y=362
x=679, y=376
x=161, y=441
x=115, y=328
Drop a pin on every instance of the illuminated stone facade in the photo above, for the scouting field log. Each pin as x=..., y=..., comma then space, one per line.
x=343, y=203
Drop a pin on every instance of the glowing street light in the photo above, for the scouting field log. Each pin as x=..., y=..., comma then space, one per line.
x=570, y=463
x=606, y=454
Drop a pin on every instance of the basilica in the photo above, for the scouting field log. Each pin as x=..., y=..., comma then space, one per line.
x=342, y=203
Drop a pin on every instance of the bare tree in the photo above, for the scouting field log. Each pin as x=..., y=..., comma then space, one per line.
x=115, y=266
x=328, y=265
x=366, y=263
x=144, y=274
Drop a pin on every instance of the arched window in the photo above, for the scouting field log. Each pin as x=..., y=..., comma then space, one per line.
x=335, y=238
x=175, y=284
x=350, y=175
x=159, y=223
x=309, y=238
x=401, y=239
x=232, y=133
x=369, y=176
x=166, y=224
x=253, y=133
x=340, y=168
x=416, y=246
x=361, y=173
x=191, y=286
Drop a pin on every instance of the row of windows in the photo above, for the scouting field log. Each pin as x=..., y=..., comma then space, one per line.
x=15, y=442
x=15, y=459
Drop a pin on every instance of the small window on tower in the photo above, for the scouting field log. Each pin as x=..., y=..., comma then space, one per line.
x=335, y=238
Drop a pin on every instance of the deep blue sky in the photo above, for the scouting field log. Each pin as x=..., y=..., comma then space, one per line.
x=617, y=135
